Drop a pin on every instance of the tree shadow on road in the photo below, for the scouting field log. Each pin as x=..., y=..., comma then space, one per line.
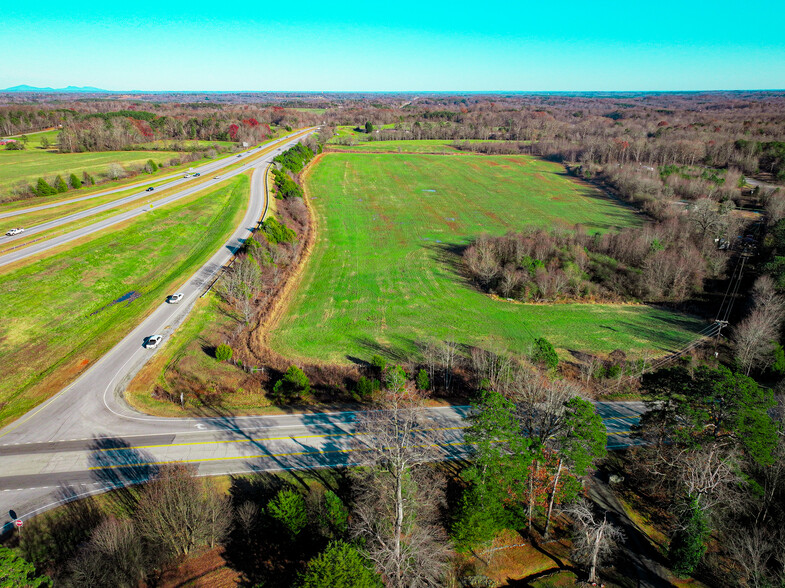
x=119, y=466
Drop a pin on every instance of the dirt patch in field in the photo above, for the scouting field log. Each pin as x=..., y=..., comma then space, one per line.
x=204, y=570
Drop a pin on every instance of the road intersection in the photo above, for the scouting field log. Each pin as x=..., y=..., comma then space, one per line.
x=87, y=440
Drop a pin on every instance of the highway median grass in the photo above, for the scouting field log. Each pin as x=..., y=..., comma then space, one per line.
x=385, y=273
x=61, y=314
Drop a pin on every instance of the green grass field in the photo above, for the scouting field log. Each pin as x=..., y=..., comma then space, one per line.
x=31, y=164
x=384, y=274
x=57, y=315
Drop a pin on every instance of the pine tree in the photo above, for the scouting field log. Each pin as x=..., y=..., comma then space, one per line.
x=43, y=189
x=75, y=182
x=60, y=185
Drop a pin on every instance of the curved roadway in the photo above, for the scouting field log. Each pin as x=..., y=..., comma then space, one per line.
x=86, y=440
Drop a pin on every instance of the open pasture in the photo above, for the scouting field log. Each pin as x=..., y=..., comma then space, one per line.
x=384, y=274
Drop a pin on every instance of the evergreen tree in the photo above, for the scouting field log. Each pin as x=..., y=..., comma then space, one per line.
x=289, y=509
x=422, y=381
x=545, y=353
x=689, y=543
x=17, y=572
x=339, y=566
x=43, y=189
x=75, y=182
x=60, y=185
x=293, y=385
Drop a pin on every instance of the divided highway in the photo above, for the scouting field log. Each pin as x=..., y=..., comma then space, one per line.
x=176, y=179
x=35, y=248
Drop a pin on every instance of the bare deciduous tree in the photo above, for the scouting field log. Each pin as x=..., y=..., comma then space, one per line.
x=397, y=503
x=115, y=171
x=755, y=336
x=181, y=512
x=113, y=557
x=593, y=537
x=240, y=285
x=751, y=550
x=448, y=350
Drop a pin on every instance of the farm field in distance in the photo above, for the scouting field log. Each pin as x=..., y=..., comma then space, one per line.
x=29, y=165
x=405, y=146
x=62, y=313
x=384, y=274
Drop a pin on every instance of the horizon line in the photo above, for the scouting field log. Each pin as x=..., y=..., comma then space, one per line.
x=89, y=90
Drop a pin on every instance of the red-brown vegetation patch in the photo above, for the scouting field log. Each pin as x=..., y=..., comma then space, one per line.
x=203, y=570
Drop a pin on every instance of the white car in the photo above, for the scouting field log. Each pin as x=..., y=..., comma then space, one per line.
x=13, y=232
x=217, y=177
x=174, y=298
x=187, y=176
x=153, y=342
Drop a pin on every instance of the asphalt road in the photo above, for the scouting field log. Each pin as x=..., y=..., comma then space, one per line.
x=12, y=256
x=86, y=440
x=176, y=179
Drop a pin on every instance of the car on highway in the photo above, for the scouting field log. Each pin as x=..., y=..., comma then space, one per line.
x=216, y=177
x=239, y=155
x=150, y=189
x=174, y=298
x=187, y=176
x=153, y=342
x=16, y=231
x=196, y=175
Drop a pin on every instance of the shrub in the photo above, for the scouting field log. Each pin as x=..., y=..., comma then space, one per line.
x=293, y=385
x=378, y=363
x=223, y=352
x=545, y=353
x=277, y=232
x=150, y=166
x=74, y=182
x=366, y=387
x=422, y=381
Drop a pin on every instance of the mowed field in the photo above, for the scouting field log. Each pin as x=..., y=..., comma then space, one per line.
x=384, y=274
x=60, y=314
x=31, y=164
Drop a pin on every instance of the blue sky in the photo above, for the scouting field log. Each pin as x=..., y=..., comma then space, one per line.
x=389, y=46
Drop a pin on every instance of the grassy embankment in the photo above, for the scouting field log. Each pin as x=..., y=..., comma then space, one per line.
x=58, y=315
x=385, y=271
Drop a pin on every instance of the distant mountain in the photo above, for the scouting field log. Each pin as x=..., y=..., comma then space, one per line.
x=69, y=89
